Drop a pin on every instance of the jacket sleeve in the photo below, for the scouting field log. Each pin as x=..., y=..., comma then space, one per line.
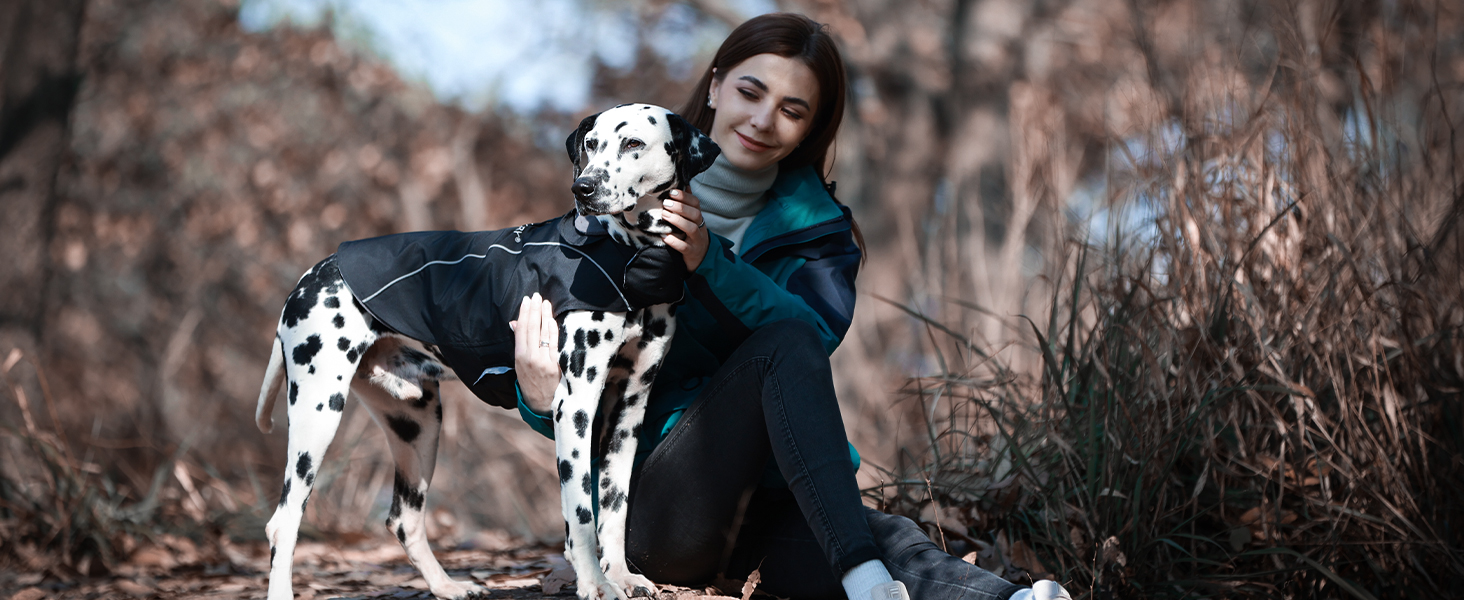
x=742, y=298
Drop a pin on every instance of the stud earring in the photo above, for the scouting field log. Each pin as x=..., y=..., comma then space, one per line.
x=709, y=103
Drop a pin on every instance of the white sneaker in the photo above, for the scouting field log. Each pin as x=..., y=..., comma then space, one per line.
x=893, y=590
x=1048, y=589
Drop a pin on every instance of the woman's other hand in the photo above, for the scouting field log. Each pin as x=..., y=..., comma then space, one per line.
x=536, y=353
x=683, y=212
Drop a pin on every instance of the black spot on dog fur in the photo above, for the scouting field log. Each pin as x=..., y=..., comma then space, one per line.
x=574, y=454
x=339, y=321
x=620, y=361
x=581, y=422
x=294, y=392
x=325, y=276
x=285, y=492
x=585, y=484
x=622, y=124
x=320, y=407
x=302, y=466
x=332, y=302
x=271, y=555
x=342, y=344
x=612, y=500
x=306, y=351
x=309, y=481
x=590, y=374
x=425, y=399
x=617, y=441
x=577, y=356
x=312, y=370
x=401, y=535
x=338, y=402
x=404, y=428
x=356, y=352
x=407, y=493
x=656, y=329
x=598, y=315
x=583, y=514
x=609, y=336
x=592, y=338
x=565, y=472
x=650, y=375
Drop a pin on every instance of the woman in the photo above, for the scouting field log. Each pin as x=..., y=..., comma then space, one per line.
x=743, y=463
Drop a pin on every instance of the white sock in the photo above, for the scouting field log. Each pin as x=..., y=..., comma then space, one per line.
x=859, y=580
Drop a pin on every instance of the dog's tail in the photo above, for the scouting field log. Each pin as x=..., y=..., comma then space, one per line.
x=274, y=375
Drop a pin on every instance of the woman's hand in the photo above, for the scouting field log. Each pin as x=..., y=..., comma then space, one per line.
x=536, y=353
x=683, y=212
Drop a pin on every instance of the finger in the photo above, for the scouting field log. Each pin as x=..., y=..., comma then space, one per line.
x=686, y=197
x=686, y=211
x=530, y=318
x=680, y=222
x=547, y=327
x=519, y=336
x=676, y=243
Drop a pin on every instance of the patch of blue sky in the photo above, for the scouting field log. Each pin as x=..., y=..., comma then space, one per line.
x=523, y=56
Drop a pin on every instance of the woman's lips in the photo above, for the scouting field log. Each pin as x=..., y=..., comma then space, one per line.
x=751, y=144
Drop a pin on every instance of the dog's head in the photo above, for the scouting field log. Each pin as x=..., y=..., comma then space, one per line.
x=634, y=151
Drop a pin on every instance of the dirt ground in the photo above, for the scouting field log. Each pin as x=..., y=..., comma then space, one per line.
x=366, y=569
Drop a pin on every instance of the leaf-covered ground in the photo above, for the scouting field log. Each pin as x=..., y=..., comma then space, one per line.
x=367, y=569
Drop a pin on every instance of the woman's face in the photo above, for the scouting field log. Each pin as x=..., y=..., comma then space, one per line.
x=764, y=109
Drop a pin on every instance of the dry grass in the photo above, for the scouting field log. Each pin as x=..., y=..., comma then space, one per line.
x=1248, y=382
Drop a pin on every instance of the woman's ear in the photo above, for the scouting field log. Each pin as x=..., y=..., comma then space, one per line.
x=712, y=90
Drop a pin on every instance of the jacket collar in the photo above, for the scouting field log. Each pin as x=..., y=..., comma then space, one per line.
x=798, y=206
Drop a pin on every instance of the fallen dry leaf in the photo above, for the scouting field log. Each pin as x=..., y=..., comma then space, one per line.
x=31, y=593
x=556, y=580
x=753, y=579
x=132, y=588
x=1023, y=557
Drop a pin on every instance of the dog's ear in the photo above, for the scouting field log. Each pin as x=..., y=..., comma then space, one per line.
x=694, y=151
x=575, y=143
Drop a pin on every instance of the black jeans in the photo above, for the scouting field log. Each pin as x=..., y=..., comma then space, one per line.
x=697, y=509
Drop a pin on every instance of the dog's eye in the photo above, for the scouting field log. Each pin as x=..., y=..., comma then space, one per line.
x=632, y=144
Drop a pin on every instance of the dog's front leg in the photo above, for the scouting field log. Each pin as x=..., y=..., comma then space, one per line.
x=584, y=358
x=656, y=326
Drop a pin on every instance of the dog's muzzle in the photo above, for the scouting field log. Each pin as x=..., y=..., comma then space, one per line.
x=584, y=189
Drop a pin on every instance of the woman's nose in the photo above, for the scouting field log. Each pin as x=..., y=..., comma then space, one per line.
x=762, y=116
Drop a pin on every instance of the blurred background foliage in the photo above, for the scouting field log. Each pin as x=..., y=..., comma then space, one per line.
x=1161, y=298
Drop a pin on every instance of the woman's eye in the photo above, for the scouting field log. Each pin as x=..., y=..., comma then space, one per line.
x=746, y=93
x=793, y=115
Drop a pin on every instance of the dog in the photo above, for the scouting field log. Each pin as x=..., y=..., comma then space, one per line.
x=337, y=333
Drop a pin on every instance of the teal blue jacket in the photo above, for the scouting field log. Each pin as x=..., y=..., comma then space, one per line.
x=798, y=260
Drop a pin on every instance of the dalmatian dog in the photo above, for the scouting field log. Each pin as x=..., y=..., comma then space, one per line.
x=334, y=338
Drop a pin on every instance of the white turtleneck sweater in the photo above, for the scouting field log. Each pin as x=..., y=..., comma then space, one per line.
x=731, y=197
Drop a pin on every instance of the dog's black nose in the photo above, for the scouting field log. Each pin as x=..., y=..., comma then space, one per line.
x=583, y=187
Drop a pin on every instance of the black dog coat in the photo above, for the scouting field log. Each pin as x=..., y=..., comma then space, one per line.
x=458, y=290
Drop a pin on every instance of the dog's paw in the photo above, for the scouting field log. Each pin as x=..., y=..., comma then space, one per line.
x=597, y=587
x=459, y=590
x=634, y=584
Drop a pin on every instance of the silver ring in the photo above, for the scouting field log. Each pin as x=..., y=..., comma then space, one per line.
x=543, y=344
x=701, y=224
